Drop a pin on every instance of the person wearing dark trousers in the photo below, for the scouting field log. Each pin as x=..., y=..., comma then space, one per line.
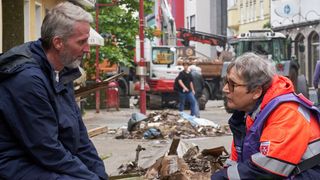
x=186, y=91
x=198, y=83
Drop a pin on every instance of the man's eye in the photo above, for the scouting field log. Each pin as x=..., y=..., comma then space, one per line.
x=83, y=42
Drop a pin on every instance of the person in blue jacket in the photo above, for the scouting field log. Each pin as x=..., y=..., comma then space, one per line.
x=42, y=135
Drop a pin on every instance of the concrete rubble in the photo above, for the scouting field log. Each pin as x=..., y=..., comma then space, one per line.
x=168, y=124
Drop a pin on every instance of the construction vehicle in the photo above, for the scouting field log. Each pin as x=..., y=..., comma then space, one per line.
x=274, y=46
x=164, y=64
x=162, y=69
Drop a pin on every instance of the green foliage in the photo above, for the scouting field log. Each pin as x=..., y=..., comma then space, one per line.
x=267, y=25
x=120, y=24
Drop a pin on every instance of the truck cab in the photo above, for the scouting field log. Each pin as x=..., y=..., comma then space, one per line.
x=273, y=46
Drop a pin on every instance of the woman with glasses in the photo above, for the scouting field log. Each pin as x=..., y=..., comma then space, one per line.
x=275, y=132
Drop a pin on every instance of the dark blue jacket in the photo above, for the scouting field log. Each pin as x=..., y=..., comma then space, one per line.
x=42, y=135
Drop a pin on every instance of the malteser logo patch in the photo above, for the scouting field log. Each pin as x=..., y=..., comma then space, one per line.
x=264, y=147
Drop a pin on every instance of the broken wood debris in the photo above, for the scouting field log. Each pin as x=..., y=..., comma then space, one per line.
x=97, y=131
x=193, y=165
x=183, y=161
x=169, y=124
x=133, y=167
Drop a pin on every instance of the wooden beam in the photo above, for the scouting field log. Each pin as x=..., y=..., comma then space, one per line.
x=174, y=146
x=82, y=91
x=97, y=131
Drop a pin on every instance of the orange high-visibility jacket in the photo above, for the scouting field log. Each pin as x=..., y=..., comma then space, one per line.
x=290, y=135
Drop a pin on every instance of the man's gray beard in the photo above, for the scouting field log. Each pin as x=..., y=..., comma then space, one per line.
x=74, y=64
x=69, y=62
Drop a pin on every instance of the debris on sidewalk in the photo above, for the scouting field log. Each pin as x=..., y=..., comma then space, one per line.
x=135, y=119
x=187, y=163
x=133, y=166
x=169, y=124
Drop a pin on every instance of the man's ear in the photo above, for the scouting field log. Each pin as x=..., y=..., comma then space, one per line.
x=257, y=93
x=57, y=43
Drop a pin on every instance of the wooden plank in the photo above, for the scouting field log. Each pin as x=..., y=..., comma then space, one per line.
x=82, y=91
x=97, y=131
x=215, y=152
x=127, y=177
x=174, y=146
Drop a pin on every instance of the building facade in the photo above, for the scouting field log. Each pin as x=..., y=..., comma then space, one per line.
x=206, y=16
x=245, y=15
x=299, y=20
x=20, y=20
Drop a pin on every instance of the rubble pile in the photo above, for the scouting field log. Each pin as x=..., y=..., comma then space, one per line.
x=197, y=162
x=182, y=161
x=169, y=124
x=192, y=165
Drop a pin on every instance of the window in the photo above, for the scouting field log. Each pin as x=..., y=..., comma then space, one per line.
x=299, y=41
x=247, y=12
x=26, y=20
x=38, y=20
x=251, y=11
x=261, y=10
x=188, y=23
x=254, y=10
x=193, y=22
x=241, y=14
x=315, y=47
x=162, y=55
x=314, y=52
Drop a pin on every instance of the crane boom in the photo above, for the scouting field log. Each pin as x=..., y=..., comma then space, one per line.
x=188, y=35
x=169, y=25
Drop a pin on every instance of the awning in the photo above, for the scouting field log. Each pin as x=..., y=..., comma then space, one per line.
x=87, y=3
x=95, y=38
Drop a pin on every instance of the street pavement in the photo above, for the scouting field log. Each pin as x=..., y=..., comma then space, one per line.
x=121, y=151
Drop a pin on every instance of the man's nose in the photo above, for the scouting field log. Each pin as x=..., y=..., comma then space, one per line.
x=86, y=48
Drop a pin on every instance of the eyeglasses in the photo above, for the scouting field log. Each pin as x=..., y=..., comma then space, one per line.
x=231, y=84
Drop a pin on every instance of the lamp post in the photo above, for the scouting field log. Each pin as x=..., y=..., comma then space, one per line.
x=97, y=5
x=141, y=68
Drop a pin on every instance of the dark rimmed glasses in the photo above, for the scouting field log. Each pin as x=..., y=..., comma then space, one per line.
x=231, y=84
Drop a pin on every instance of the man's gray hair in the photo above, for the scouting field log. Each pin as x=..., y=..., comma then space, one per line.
x=255, y=70
x=60, y=20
